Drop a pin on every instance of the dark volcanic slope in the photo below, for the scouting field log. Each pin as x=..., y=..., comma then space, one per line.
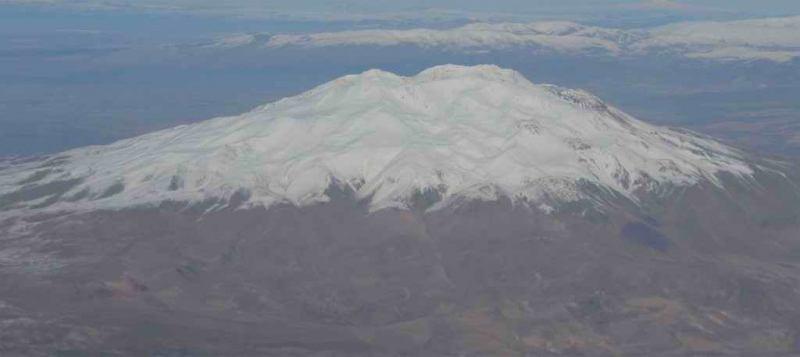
x=700, y=272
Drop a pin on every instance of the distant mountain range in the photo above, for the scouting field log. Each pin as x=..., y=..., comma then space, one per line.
x=770, y=39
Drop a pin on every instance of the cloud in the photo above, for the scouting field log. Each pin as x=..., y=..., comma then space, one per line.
x=773, y=39
x=379, y=10
x=315, y=10
x=660, y=5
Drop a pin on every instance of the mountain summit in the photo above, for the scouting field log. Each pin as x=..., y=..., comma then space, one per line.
x=455, y=132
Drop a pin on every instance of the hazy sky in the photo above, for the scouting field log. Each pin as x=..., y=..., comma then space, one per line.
x=371, y=9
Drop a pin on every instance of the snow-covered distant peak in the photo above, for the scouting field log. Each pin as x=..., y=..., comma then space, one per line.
x=772, y=39
x=452, y=132
x=556, y=35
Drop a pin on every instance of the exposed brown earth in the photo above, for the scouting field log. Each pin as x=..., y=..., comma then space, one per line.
x=700, y=271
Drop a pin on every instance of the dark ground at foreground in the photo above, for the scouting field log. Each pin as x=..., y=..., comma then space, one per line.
x=701, y=272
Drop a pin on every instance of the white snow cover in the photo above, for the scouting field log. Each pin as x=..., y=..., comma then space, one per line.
x=465, y=132
x=773, y=39
x=781, y=32
x=558, y=35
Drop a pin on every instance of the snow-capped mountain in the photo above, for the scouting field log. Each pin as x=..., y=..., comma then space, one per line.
x=519, y=219
x=769, y=39
x=563, y=36
x=458, y=132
